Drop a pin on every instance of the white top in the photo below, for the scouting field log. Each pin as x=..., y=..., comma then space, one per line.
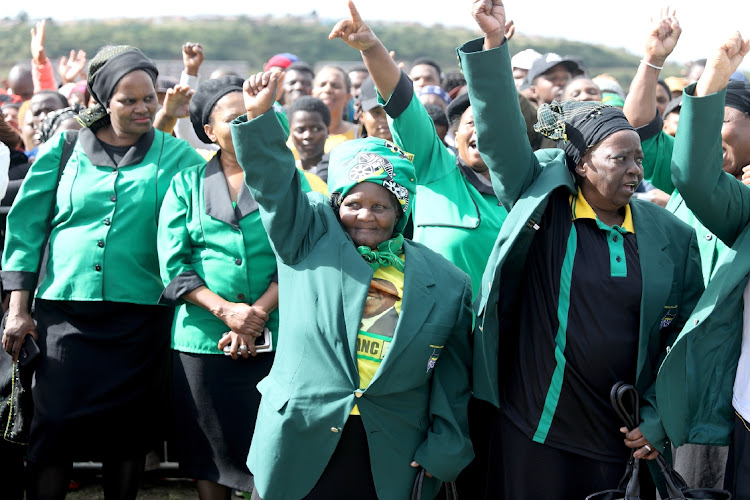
x=741, y=397
x=4, y=166
x=183, y=129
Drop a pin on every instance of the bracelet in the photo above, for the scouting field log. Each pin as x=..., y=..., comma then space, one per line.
x=651, y=65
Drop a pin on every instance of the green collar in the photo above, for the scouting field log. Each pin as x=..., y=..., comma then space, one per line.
x=387, y=254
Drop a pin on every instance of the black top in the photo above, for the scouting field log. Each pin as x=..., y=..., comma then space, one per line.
x=557, y=387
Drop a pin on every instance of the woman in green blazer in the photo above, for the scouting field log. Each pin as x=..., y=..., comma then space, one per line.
x=218, y=268
x=371, y=377
x=703, y=386
x=585, y=287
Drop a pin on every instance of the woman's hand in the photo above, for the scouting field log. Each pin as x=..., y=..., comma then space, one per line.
x=259, y=92
x=746, y=175
x=416, y=466
x=239, y=345
x=18, y=325
x=244, y=319
x=192, y=57
x=37, y=42
x=177, y=101
x=635, y=439
x=354, y=32
x=663, y=37
x=73, y=68
x=725, y=61
x=490, y=17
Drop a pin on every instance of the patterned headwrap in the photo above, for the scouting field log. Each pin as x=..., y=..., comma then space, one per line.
x=373, y=160
x=54, y=119
x=579, y=125
x=106, y=69
x=738, y=96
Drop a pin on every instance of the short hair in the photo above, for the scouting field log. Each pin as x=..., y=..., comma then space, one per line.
x=437, y=113
x=453, y=79
x=429, y=62
x=666, y=87
x=301, y=67
x=60, y=98
x=359, y=68
x=347, y=81
x=312, y=105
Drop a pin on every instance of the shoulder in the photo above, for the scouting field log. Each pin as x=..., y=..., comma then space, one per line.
x=177, y=146
x=445, y=272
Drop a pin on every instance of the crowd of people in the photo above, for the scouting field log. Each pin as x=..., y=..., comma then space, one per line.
x=336, y=284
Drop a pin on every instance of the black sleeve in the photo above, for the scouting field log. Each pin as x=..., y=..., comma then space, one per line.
x=401, y=97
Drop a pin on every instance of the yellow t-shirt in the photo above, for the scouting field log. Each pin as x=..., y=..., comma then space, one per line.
x=378, y=325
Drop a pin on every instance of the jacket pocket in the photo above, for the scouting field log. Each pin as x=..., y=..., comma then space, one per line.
x=274, y=394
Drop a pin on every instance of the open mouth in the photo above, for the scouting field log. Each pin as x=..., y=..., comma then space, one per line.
x=630, y=187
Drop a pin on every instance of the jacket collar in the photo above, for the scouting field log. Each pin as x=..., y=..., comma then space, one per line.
x=216, y=196
x=98, y=156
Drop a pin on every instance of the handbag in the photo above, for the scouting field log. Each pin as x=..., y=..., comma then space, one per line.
x=16, y=405
x=629, y=486
x=416, y=490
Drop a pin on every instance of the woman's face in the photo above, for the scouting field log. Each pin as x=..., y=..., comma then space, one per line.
x=133, y=105
x=612, y=170
x=735, y=140
x=582, y=89
x=28, y=132
x=225, y=110
x=466, y=142
x=662, y=99
x=309, y=133
x=368, y=214
x=375, y=122
x=330, y=87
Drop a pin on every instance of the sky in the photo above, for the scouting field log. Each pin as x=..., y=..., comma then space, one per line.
x=615, y=24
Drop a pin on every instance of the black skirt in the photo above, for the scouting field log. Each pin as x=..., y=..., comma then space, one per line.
x=101, y=384
x=216, y=404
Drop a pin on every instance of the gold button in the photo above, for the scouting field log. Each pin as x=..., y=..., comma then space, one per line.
x=358, y=394
x=334, y=429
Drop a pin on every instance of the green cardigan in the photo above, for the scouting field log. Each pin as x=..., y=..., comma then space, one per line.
x=694, y=387
x=523, y=181
x=409, y=412
x=103, y=236
x=203, y=240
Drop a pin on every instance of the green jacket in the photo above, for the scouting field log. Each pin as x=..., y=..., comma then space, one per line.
x=103, y=235
x=203, y=240
x=452, y=216
x=409, y=412
x=523, y=181
x=694, y=387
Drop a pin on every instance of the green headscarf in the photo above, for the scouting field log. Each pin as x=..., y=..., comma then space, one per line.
x=381, y=162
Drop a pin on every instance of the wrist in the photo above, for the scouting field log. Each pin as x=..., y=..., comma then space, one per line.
x=494, y=39
x=654, y=62
x=191, y=71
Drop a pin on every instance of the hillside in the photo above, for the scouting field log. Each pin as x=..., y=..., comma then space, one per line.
x=254, y=40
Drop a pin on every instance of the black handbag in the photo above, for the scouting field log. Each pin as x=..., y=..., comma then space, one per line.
x=16, y=405
x=629, y=486
x=416, y=490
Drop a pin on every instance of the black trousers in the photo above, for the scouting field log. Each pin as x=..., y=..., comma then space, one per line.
x=737, y=477
x=522, y=469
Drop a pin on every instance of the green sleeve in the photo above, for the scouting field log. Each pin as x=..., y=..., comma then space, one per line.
x=414, y=131
x=657, y=161
x=501, y=129
x=718, y=200
x=449, y=398
x=290, y=220
x=27, y=221
x=173, y=243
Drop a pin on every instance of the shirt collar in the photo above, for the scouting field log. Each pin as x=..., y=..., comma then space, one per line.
x=581, y=209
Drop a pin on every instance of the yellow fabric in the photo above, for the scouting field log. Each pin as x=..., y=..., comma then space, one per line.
x=378, y=325
x=582, y=210
x=316, y=183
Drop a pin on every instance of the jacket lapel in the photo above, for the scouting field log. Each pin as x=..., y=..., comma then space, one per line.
x=417, y=303
x=654, y=262
x=217, y=200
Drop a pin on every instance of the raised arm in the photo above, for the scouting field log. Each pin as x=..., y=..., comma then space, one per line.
x=41, y=66
x=720, y=201
x=640, y=104
x=501, y=130
x=287, y=213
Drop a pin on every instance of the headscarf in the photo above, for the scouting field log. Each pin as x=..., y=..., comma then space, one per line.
x=381, y=162
x=106, y=69
x=579, y=125
x=208, y=94
x=738, y=96
x=54, y=119
x=438, y=91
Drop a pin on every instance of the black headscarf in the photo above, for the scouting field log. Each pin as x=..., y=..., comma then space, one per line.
x=738, y=96
x=577, y=126
x=106, y=69
x=54, y=119
x=206, y=97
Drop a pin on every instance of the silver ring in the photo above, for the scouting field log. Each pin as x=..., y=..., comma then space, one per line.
x=243, y=348
x=648, y=448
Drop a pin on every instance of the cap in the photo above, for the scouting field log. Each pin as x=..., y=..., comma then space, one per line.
x=545, y=63
x=368, y=95
x=524, y=59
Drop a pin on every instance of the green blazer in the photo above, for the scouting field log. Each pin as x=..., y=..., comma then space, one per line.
x=410, y=412
x=694, y=387
x=523, y=181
